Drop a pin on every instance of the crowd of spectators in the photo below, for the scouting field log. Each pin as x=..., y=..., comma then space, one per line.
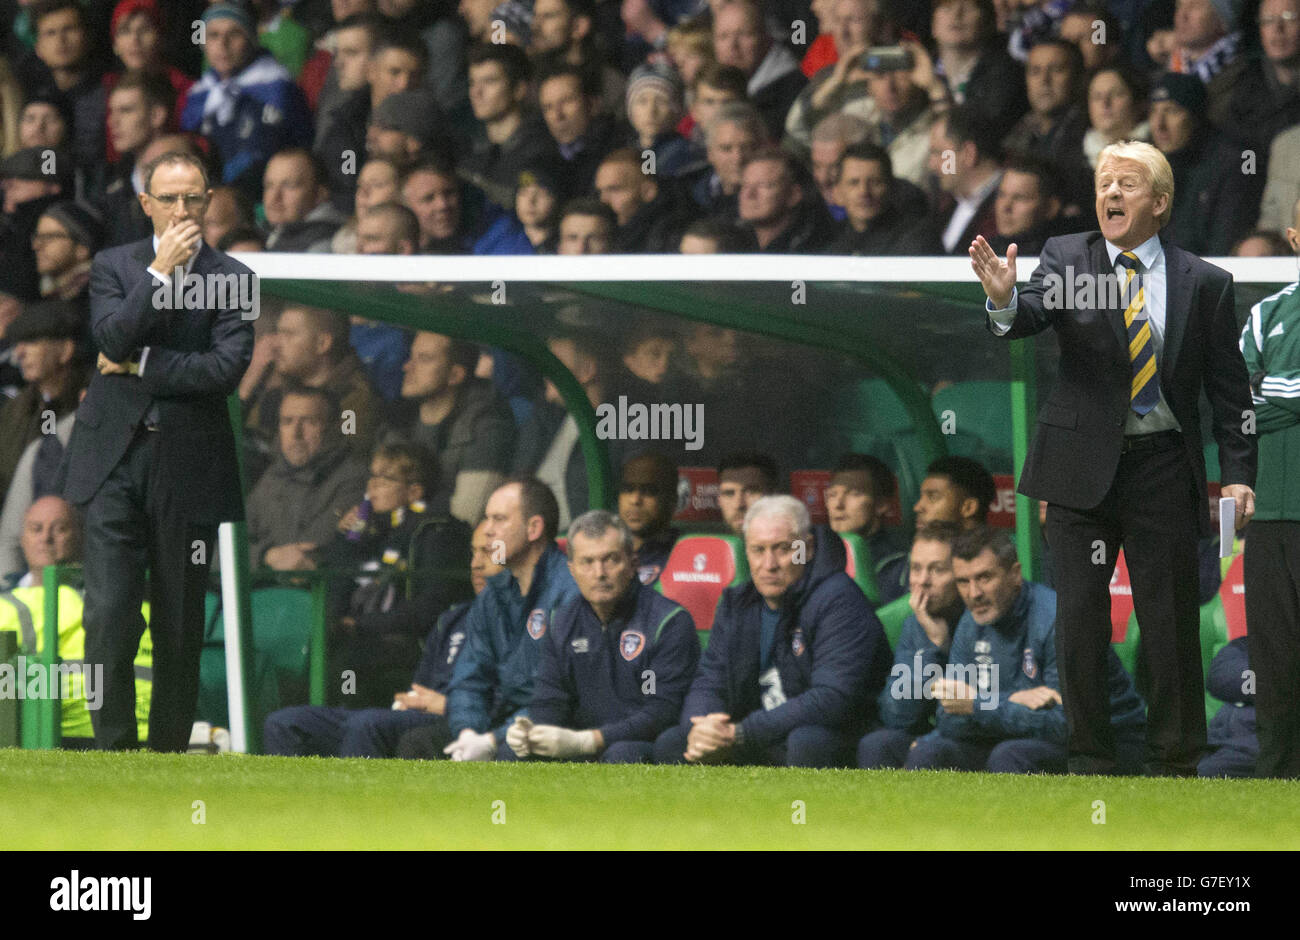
x=850, y=127
x=401, y=127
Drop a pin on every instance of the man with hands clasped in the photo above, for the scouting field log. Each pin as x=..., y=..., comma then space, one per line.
x=616, y=662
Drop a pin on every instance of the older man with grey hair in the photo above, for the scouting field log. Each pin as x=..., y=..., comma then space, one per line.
x=735, y=132
x=795, y=658
x=617, y=660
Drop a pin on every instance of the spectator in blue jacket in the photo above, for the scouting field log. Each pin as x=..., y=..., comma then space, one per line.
x=1231, y=735
x=795, y=658
x=616, y=662
x=326, y=731
x=246, y=103
x=494, y=675
x=1000, y=696
x=923, y=643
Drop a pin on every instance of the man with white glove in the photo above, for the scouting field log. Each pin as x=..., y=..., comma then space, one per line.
x=492, y=680
x=529, y=740
x=616, y=662
x=472, y=746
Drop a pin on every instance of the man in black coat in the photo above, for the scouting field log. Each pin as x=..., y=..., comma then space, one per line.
x=151, y=460
x=1117, y=451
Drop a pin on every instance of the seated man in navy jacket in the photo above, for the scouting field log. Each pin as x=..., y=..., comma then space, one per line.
x=795, y=658
x=331, y=731
x=1234, y=746
x=999, y=700
x=616, y=663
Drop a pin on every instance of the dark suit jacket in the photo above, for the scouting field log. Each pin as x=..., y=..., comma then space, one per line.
x=984, y=222
x=1076, y=448
x=196, y=359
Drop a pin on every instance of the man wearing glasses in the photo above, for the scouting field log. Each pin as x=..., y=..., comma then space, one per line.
x=151, y=460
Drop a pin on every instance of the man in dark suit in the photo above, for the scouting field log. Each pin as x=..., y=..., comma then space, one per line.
x=1117, y=451
x=964, y=164
x=152, y=455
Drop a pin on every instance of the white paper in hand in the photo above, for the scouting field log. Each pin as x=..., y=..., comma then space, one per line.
x=1227, y=524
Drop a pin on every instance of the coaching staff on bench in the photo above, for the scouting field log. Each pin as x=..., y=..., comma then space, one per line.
x=1117, y=451
x=152, y=457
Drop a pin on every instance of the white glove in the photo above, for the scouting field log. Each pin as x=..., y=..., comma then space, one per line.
x=561, y=743
x=517, y=736
x=472, y=746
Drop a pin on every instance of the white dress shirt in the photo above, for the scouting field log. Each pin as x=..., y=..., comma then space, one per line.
x=166, y=279
x=965, y=212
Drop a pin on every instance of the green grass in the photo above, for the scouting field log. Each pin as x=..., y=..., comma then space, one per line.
x=79, y=801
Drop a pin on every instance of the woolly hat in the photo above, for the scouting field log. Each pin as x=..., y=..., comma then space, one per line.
x=663, y=77
x=233, y=11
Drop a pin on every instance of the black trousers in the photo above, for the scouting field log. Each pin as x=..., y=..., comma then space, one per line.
x=1271, y=569
x=137, y=522
x=1151, y=511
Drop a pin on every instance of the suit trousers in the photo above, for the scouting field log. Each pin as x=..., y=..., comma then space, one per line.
x=1271, y=570
x=136, y=523
x=1151, y=511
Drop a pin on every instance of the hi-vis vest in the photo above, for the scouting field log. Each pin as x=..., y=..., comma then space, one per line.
x=22, y=611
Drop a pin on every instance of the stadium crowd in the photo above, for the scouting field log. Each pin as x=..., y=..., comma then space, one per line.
x=851, y=127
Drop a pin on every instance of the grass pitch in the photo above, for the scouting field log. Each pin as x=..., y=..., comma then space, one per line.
x=148, y=801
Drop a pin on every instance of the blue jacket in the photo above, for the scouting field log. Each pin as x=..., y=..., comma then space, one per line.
x=505, y=236
x=653, y=555
x=899, y=705
x=382, y=349
x=829, y=650
x=1020, y=650
x=265, y=112
x=1234, y=724
x=493, y=677
x=441, y=648
x=628, y=677
x=1021, y=647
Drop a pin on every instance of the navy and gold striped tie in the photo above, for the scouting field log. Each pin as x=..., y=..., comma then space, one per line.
x=1144, y=392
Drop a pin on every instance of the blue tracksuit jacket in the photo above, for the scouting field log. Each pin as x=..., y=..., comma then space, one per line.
x=441, y=648
x=493, y=677
x=899, y=706
x=828, y=649
x=1021, y=646
x=626, y=678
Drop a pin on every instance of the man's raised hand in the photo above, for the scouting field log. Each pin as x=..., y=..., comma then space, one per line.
x=997, y=276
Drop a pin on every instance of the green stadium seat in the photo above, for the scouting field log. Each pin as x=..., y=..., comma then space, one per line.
x=281, y=645
x=873, y=408
x=859, y=566
x=892, y=616
x=214, y=704
x=281, y=628
x=982, y=431
x=1125, y=643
